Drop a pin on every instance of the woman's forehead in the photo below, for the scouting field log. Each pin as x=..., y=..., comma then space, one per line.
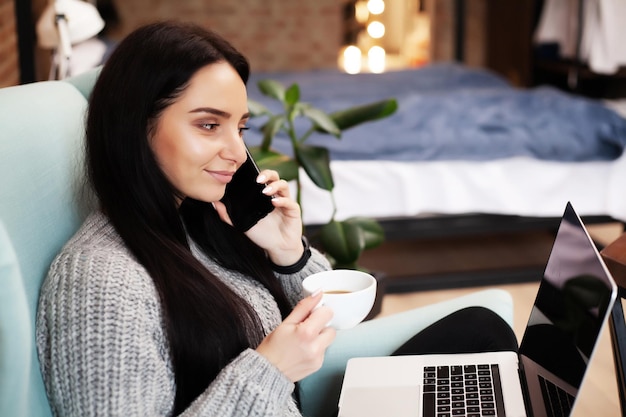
x=216, y=85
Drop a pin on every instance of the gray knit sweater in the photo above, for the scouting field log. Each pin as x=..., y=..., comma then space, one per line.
x=102, y=346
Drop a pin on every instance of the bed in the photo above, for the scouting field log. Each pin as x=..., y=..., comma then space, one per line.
x=466, y=152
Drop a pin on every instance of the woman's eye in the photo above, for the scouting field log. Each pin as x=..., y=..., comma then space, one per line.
x=209, y=126
x=242, y=129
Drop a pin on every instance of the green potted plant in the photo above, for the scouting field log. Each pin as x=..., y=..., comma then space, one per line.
x=342, y=241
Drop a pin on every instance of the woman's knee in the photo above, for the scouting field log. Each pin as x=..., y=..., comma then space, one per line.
x=471, y=329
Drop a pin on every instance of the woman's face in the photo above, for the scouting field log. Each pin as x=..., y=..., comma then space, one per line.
x=198, y=140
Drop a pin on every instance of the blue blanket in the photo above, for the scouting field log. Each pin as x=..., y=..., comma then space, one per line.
x=451, y=112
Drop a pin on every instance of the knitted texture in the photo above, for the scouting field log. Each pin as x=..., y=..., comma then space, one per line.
x=102, y=344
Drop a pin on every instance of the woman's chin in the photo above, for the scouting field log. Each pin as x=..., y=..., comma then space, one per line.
x=209, y=197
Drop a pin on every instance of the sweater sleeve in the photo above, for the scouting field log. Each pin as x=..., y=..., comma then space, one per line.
x=249, y=386
x=103, y=350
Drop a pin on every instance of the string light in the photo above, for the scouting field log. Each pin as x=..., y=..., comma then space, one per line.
x=376, y=29
x=361, y=12
x=376, y=7
x=366, y=13
x=376, y=59
x=352, y=59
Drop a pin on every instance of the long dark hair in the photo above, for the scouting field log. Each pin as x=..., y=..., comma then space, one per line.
x=207, y=324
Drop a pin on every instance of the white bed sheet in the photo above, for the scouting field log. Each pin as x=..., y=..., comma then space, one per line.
x=514, y=186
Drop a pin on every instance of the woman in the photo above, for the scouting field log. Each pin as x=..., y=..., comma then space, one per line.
x=158, y=306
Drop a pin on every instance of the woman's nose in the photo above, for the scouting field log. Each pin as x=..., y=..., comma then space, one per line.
x=236, y=149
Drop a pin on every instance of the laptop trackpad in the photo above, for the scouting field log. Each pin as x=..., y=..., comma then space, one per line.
x=380, y=401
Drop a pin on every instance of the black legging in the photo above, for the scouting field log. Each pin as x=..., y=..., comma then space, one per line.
x=470, y=330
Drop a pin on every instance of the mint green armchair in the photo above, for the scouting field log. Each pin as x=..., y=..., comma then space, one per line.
x=43, y=200
x=41, y=205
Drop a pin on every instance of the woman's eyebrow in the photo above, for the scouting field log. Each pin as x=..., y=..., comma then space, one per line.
x=217, y=112
x=211, y=110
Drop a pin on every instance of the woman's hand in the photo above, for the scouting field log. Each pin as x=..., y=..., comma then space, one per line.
x=280, y=232
x=297, y=346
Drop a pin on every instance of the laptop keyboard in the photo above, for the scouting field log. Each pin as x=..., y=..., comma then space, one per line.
x=463, y=390
x=558, y=401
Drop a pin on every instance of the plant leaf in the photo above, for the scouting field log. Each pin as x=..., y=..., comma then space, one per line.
x=257, y=109
x=292, y=95
x=373, y=232
x=287, y=168
x=322, y=120
x=272, y=88
x=259, y=154
x=343, y=241
x=268, y=159
x=270, y=129
x=345, y=119
x=316, y=163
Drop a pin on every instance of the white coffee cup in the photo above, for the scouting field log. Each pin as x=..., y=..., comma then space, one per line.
x=349, y=293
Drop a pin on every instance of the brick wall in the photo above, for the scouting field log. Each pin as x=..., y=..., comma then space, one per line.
x=273, y=34
x=9, y=57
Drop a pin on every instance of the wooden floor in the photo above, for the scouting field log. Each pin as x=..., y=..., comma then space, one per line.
x=599, y=395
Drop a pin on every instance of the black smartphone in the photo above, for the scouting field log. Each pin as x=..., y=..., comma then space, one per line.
x=245, y=202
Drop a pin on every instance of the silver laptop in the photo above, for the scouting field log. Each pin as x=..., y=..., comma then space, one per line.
x=575, y=297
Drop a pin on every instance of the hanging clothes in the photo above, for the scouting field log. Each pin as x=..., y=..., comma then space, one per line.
x=593, y=34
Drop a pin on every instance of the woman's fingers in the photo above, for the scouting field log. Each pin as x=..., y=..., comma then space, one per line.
x=298, y=344
x=278, y=188
x=304, y=308
x=267, y=175
x=274, y=185
x=311, y=316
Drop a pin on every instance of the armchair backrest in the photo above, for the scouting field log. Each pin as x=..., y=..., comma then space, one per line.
x=42, y=203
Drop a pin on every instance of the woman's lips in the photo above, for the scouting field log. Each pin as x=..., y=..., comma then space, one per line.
x=222, y=176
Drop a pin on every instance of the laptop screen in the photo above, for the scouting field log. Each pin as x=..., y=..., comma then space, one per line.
x=572, y=303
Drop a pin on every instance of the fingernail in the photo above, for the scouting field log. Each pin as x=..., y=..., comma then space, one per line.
x=268, y=190
x=316, y=293
x=261, y=179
